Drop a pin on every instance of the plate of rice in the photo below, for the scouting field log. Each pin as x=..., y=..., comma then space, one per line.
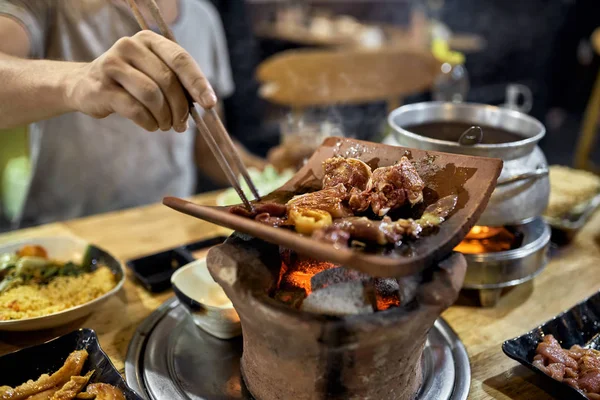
x=48, y=282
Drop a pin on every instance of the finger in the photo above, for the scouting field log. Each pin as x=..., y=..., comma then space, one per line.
x=127, y=106
x=152, y=66
x=145, y=90
x=184, y=66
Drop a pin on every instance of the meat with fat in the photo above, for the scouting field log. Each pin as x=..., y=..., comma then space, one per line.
x=350, y=172
x=104, y=391
x=330, y=200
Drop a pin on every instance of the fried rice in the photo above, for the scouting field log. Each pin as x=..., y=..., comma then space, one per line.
x=64, y=292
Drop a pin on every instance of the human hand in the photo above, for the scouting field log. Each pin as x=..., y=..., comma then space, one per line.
x=140, y=78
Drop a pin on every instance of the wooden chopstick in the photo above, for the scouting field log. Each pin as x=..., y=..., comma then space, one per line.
x=222, y=134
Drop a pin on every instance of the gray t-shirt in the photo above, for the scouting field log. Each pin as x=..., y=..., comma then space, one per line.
x=83, y=166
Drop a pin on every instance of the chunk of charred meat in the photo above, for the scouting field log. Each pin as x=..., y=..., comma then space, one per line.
x=71, y=367
x=350, y=172
x=70, y=389
x=577, y=367
x=330, y=200
x=104, y=391
x=273, y=209
x=392, y=187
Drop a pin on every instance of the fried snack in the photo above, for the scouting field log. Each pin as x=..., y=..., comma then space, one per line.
x=307, y=220
x=104, y=391
x=70, y=389
x=71, y=367
x=569, y=188
x=45, y=395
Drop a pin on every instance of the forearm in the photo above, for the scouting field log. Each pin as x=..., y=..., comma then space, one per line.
x=32, y=90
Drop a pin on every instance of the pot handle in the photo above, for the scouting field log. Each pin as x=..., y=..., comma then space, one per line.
x=537, y=174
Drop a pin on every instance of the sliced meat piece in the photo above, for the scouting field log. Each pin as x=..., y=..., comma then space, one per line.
x=589, y=381
x=556, y=371
x=72, y=366
x=330, y=200
x=551, y=349
x=104, y=391
x=350, y=172
x=273, y=209
x=70, y=389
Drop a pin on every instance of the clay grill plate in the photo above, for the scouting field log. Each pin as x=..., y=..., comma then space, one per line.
x=472, y=178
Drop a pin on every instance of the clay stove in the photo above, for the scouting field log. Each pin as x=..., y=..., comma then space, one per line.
x=314, y=330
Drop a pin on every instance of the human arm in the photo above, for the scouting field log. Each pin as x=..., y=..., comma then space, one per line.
x=139, y=78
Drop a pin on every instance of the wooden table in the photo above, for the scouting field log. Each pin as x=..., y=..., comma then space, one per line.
x=572, y=275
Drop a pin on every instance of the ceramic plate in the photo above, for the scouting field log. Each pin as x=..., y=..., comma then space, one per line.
x=578, y=325
x=65, y=248
x=46, y=358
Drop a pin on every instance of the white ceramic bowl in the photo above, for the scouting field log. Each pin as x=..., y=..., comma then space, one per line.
x=65, y=248
x=210, y=307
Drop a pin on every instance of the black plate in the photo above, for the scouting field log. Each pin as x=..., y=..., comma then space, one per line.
x=578, y=325
x=154, y=271
x=30, y=363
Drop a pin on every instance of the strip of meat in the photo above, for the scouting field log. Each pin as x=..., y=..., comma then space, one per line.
x=73, y=387
x=273, y=209
x=72, y=366
x=555, y=354
x=330, y=200
x=104, y=391
x=350, y=172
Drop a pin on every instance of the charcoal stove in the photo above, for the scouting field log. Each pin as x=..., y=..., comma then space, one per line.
x=390, y=345
x=340, y=334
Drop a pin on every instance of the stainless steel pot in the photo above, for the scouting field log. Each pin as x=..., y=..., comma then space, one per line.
x=523, y=187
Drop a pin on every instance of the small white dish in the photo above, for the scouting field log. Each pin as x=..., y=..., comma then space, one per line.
x=65, y=248
x=210, y=307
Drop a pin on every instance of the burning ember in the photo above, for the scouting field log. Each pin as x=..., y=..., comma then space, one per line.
x=328, y=288
x=487, y=239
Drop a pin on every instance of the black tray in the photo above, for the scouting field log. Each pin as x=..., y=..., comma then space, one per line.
x=578, y=325
x=46, y=358
x=154, y=271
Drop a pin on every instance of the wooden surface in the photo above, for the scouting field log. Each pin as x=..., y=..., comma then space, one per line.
x=572, y=275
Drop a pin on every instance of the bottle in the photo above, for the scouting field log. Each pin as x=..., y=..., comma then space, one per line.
x=452, y=84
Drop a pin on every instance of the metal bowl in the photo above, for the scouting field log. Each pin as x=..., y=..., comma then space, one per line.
x=491, y=272
x=523, y=188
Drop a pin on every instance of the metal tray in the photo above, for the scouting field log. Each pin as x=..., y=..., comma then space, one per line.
x=170, y=358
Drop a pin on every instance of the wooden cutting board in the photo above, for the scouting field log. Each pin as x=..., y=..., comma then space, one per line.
x=471, y=178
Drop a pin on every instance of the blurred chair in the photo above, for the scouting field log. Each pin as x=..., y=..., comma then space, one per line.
x=318, y=78
x=589, y=128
